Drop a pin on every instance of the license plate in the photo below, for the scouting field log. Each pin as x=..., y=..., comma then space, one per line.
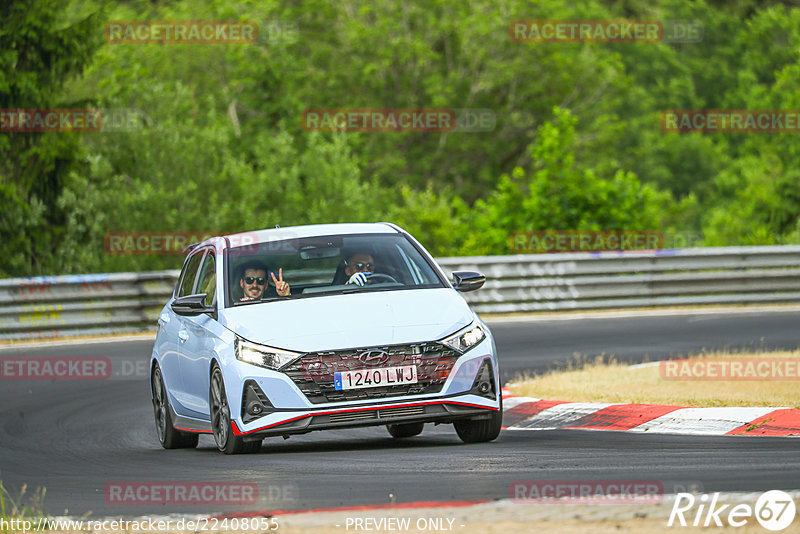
x=370, y=378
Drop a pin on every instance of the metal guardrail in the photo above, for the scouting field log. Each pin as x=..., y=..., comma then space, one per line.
x=671, y=277
x=58, y=306
x=71, y=305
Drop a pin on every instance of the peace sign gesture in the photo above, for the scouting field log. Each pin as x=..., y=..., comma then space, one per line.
x=280, y=286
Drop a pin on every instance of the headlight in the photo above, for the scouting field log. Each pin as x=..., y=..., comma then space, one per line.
x=465, y=339
x=262, y=355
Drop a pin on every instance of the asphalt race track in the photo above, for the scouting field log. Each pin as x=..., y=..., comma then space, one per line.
x=76, y=437
x=542, y=345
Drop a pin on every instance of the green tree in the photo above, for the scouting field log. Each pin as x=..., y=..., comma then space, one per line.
x=41, y=48
x=559, y=193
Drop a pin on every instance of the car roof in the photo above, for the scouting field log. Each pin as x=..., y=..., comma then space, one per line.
x=309, y=230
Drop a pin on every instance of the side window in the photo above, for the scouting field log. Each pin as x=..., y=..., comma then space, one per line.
x=208, y=279
x=188, y=275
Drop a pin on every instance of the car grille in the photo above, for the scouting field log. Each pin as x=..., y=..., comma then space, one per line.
x=313, y=372
x=349, y=417
x=404, y=411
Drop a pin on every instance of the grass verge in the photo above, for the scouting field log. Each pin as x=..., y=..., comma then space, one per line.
x=610, y=381
x=24, y=505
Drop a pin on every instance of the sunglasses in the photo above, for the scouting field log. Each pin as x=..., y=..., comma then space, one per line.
x=250, y=279
x=361, y=265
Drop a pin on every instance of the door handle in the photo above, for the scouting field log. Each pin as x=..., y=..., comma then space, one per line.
x=183, y=335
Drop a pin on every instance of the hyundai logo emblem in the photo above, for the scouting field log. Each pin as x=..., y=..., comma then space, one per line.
x=374, y=357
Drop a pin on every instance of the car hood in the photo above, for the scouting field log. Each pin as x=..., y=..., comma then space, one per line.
x=356, y=320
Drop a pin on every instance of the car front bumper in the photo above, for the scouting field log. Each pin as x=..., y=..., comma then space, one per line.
x=287, y=410
x=429, y=411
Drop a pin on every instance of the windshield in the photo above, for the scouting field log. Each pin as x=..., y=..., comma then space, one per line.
x=318, y=266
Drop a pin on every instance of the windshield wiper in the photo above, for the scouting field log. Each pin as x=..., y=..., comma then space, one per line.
x=358, y=289
x=271, y=299
x=258, y=301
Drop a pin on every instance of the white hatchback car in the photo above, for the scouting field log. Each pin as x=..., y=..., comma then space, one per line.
x=289, y=330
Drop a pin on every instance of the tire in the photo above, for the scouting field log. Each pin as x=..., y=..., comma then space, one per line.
x=227, y=442
x=480, y=430
x=405, y=430
x=169, y=437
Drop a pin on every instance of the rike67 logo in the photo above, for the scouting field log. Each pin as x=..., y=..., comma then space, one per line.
x=774, y=510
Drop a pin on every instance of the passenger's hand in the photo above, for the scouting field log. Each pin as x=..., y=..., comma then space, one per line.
x=280, y=286
x=359, y=279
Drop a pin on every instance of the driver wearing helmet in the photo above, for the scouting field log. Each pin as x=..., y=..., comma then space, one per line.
x=358, y=266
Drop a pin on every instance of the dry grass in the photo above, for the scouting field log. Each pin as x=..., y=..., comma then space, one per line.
x=599, y=381
x=23, y=505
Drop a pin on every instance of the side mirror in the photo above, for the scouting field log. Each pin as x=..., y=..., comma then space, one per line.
x=467, y=281
x=192, y=305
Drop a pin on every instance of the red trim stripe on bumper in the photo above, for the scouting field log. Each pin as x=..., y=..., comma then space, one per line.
x=238, y=432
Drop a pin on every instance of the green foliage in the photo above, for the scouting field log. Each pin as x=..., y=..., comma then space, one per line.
x=218, y=145
x=762, y=204
x=435, y=219
x=560, y=193
x=40, y=50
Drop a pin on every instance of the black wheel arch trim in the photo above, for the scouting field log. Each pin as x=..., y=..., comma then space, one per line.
x=188, y=424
